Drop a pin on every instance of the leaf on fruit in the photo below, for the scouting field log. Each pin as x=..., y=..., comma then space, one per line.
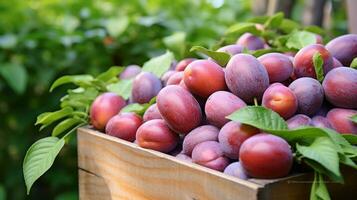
x=159, y=65
x=138, y=108
x=112, y=72
x=354, y=63
x=300, y=39
x=80, y=80
x=15, y=76
x=319, y=190
x=245, y=27
x=65, y=125
x=39, y=158
x=261, y=52
x=318, y=66
x=322, y=151
x=122, y=88
x=222, y=58
x=275, y=20
x=49, y=117
x=259, y=117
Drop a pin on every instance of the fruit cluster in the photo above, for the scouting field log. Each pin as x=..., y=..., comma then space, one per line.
x=195, y=96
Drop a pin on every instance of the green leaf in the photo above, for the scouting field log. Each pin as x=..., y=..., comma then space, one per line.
x=122, y=88
x=275, y=20
x=39, y=158
x=116, y=26
x=315, y=29
x=65, y=125
x=323, y=151
x=351, y=138
x=258, y=19
x=2, y=192
x=138, y=108
x=318, y=65
x=135, y=107
x=354, y=63
x=112, y=72
x=15, y=75
x=159, y=65
x=261, y=52
x=75, y=79
x=176, y=42
x=49, y=117
x=222, y=58
x=240, y=28
x=300, y=39
x=288, y=26
x=319, y=190
x=259, y=117
x=269, y=121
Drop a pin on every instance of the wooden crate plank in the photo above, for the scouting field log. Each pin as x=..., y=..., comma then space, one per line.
x=131, y=172
x=92, y=186
x=110, y=168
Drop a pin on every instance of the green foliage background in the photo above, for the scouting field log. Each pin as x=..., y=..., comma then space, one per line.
x=41, y=40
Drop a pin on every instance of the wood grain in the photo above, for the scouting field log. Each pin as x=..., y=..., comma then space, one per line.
x=110, y=168
x=130, y=172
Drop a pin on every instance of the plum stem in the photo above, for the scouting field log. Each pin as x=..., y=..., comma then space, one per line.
x=256, y=102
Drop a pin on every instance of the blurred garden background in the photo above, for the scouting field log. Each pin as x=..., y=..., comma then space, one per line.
x=41, y=40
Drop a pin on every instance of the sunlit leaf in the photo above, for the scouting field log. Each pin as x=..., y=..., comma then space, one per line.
x=159, y=65
x=75, y=79
x=39, y=158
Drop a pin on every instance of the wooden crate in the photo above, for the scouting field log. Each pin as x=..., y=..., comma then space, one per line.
x=110, y=168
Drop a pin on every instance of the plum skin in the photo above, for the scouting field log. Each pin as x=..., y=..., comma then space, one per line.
x=339, y=119
x=340, y=86
x=184, y=157
x=280, y=99
x=103, y=108
x=303, y=61
x=246, y=77
x=124, y=126
x=235, y=169
x=309, y=93
x=166, y=76
x=298, y=120
x=130, y=72
x=231, y=137
x=232, y=49
x=209, y=154
x=198, y=135
x=251, y=42
x=156, y=135
x=320, y=122
x=204, y=77
x=221, y=104
x=278, y=66
x=145, y=86
x=266, y=156
x=175, y=78
x=179, y=109
x=152, y=113
x=343, y=48
x=181, y=66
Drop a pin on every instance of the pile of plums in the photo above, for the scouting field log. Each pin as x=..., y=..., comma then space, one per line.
x=194, y=97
